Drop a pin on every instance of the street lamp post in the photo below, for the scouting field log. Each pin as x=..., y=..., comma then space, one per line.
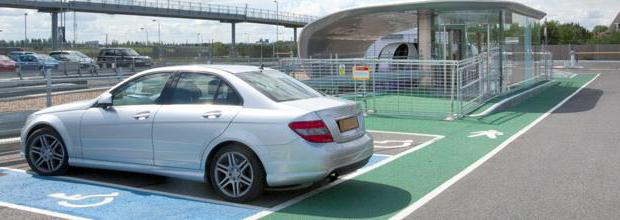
x=158, y=30
x=277, y=28
x=25, y=28
x=147, y=35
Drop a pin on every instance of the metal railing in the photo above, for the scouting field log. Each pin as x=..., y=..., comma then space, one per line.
x=199, y=6
x=427, y=88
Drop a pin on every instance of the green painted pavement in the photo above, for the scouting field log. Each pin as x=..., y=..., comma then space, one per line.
x=383, y=192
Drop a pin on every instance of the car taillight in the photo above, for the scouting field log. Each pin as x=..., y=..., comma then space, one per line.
x=312, y=131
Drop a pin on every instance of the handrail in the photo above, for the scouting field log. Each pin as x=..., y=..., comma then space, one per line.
x=199, y=6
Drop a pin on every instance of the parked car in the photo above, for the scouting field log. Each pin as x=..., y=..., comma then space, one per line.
x=6, y=64
x=122, y=57
x=239, y=128
x=37, y=62
x=74, y=56
x=16, y=54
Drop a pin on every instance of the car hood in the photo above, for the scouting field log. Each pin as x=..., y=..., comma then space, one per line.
x=9, y=63
x=81, y=105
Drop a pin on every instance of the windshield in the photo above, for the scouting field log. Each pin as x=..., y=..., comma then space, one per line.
x=79, y=54
x=130, y=52
x=44, y=57
x=278, y=86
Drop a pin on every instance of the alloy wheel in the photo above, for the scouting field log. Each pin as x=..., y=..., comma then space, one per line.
x=47, y=153
x=234, y=174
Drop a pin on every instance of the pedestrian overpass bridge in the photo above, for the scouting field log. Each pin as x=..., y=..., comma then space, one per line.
x=164, y=8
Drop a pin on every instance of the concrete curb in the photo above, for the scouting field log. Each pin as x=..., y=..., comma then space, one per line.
x=515, y=99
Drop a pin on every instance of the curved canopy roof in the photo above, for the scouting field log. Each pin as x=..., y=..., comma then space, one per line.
x=349, y=33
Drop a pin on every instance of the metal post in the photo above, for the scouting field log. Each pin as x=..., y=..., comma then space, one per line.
x=65, y=68
x=48, y=79
x=133, y=65
x=79, y=70
x=232, y=45
x=119, y=73
x=25, y=28
x=54, y=30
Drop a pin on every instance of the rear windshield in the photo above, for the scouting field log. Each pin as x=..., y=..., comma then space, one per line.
x=278, y=86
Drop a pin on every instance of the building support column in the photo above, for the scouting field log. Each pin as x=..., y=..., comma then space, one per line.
x=425, y=44
x=54, y=30
x=425, y=34
x=233, y=52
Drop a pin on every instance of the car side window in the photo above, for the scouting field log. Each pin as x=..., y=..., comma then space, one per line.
x=146, y=90
x=195, y=88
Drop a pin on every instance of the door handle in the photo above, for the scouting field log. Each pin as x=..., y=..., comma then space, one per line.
x=212, y=114
x=142, y=116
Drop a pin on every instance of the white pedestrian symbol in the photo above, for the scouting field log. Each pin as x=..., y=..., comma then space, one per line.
x=490, y=134
x=401, y=144
x=66, y=199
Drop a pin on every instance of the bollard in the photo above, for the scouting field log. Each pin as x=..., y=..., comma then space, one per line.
x=48, y=79
x=119, y=73
x=18, y=69
x=573, y=58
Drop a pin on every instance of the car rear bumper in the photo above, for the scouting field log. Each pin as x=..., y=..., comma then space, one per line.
x=302, y=162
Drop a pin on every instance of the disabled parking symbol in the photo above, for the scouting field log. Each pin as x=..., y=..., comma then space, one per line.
x=392, y=144
x=71, y=200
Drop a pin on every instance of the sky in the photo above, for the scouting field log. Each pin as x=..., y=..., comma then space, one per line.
x=128, y=28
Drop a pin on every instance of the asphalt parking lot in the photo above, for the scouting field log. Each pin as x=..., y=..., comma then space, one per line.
x=141, y=190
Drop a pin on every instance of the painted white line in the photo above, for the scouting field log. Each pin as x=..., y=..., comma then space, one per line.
x=413, y=207
x=406, y=133
x=496, y=105
x=347, y=177
x=136, y=189
x=40, y=211
x=382, y=155
x=13, y=169
x=10, y=140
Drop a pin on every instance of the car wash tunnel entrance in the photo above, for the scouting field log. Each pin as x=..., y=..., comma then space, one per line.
x=440, y=59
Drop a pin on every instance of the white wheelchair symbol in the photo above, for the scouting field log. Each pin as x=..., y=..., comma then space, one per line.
x=400, y=144
x=66, y=199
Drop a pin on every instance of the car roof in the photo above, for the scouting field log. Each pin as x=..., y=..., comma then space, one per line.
x=22, y=52
x=234, y=69
x=63, y=51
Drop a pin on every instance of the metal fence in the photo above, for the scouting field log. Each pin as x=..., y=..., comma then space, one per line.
x=427, y=88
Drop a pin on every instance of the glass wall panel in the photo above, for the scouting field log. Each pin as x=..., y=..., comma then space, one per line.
x=521, y=50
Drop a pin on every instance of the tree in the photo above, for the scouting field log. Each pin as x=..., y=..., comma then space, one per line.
x=599, y=29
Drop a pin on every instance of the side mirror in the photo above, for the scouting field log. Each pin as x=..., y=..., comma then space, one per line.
x=104, y=101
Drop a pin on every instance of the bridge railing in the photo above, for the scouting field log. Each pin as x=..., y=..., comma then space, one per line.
x=201, y=7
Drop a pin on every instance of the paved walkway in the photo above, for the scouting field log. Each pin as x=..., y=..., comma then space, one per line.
x=564, y=168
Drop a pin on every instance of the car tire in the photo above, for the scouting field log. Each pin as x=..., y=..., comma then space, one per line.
x=46, y=153
x=241, y=181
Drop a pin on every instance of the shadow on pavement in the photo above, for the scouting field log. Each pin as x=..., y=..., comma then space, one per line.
x=586, y=100
x=338, y=203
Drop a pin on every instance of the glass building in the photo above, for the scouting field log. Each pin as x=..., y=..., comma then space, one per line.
x=443, y=30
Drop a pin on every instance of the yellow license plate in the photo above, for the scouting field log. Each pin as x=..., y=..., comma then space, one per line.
x=348, y=124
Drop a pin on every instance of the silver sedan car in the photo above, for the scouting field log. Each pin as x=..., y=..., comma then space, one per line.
x=239, y=128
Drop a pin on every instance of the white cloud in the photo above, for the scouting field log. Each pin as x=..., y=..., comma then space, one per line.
x=120, y=27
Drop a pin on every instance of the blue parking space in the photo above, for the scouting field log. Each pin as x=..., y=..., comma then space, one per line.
x=100, y=201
